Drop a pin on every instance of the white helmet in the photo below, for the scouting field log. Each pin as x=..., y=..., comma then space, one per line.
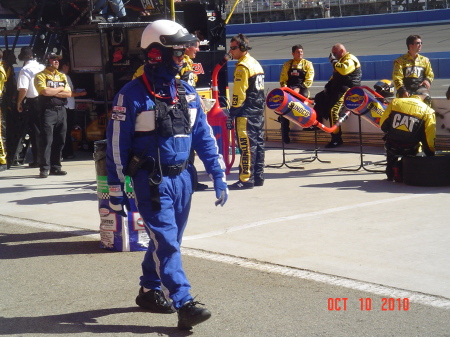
x=168, y=34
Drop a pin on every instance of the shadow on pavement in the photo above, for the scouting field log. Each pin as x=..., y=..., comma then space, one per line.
x=81, y=322
x=19, y=246
x=56, y=199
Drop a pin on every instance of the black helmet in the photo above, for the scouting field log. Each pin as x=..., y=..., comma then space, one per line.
x=385, y=88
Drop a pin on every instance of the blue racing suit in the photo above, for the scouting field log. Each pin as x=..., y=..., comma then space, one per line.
x=131, y=132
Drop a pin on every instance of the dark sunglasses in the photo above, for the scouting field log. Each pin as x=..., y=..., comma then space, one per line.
x=234, y=48
x=419, y=42
x=178, y=52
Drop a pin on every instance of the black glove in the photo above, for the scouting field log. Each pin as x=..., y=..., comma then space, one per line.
x=230, y=125
x=332, y=58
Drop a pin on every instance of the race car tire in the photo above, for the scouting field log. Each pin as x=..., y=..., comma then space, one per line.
x=427, y=171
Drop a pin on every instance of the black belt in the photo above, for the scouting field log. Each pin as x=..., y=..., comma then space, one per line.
x=56, y=107
x=144, y=133
x=174, y=170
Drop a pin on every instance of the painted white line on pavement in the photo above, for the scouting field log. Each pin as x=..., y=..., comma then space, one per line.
x=388, y=292
x=430, y=300
x=299, y=216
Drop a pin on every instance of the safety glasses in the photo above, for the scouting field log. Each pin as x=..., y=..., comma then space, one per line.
x=178, y=52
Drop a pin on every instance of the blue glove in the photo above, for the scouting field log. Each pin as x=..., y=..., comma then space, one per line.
x=118, y=201
x=221, y=188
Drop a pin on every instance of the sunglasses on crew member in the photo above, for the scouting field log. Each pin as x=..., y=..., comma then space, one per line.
x=419, y=42
x=179, y=52
x=234, y=47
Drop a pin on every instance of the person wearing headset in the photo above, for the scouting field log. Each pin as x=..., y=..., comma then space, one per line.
x=156, y=120
x=247, y=108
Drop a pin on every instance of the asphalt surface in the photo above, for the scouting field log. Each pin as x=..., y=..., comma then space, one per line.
x=436, y=38
x=266, y=264
x=63, y=284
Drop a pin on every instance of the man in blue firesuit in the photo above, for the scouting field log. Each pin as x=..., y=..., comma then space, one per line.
x=155, y=122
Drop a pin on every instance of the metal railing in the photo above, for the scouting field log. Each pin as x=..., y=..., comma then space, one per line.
x=253, y=11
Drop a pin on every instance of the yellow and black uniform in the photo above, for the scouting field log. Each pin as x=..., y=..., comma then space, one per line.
x=328, y=103
x=295, y=75
x=247, y=107
x=410, y=72
x=139, y=71
x=408, y=124
x=3, y=79
x=187, y=71
x=52, y=118
x=347, y=74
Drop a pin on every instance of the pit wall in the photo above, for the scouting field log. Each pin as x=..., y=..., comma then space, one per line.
x=374, y=67
x=371, y=134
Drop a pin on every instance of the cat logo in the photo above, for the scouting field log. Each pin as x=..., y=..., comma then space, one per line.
x=404, y=122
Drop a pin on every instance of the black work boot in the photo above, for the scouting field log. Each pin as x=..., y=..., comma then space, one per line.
x=155, y=301
x=239, y=185
x=189, y=315
x=336, y=140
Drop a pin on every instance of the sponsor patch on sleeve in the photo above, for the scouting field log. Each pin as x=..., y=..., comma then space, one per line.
x=118, y=117
x=190, y=97
x=115, y=188
x=119, y=109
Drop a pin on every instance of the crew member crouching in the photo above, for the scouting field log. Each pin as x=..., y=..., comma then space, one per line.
x=410, y=126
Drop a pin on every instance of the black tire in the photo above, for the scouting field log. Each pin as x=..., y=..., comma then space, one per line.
x=427, y=171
